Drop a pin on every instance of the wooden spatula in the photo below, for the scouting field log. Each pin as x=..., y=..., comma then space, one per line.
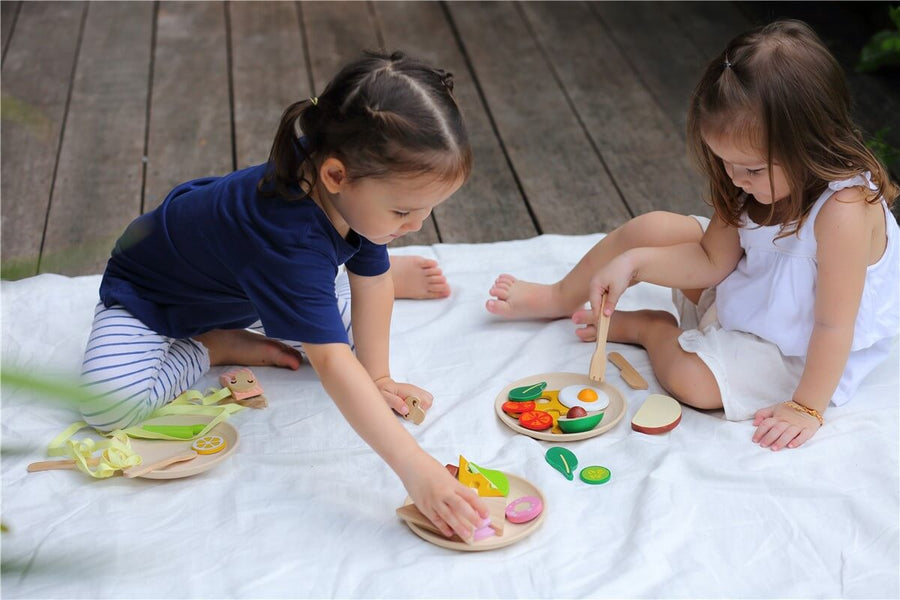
x=135, y=471
x=597, y=371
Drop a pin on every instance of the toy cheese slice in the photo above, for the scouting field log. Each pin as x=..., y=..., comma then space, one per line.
x=474, y=478
x=658, y=414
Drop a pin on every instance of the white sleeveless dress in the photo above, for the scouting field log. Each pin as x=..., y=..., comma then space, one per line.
x=755, y=335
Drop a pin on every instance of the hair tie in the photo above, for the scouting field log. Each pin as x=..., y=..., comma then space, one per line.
x=314, y=100
x=727, y=63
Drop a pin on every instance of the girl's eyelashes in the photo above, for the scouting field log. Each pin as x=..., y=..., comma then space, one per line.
x=401, y=213
x=752, y=172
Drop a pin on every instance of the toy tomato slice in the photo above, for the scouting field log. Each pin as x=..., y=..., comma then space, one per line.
x=516, y=408
x=537, y=420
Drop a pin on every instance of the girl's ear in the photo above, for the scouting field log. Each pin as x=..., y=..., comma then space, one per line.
x=333, y=174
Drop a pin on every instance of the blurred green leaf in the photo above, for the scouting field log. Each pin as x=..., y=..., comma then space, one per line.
x=885, y=152
x=883, y=48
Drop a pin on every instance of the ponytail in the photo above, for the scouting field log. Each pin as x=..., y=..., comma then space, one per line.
x=287, y=156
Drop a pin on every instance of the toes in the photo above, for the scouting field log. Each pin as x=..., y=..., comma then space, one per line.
x=587, y=333
x=500, y=292
x=498, y=307
x=583, y=316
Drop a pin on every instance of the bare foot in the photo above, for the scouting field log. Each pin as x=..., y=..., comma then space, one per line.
x=246, y=348
x=624, y=326
x=517, y=299
x=418, y=278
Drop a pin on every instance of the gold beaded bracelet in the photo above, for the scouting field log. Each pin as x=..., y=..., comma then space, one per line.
x=805, y=409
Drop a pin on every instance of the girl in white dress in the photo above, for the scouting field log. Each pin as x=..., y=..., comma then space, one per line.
x=790, y=295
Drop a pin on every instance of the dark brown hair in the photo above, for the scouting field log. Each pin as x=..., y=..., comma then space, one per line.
x=382, y=115
x=778, y=89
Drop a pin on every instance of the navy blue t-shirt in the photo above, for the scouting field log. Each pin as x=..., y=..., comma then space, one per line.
x=216, y=254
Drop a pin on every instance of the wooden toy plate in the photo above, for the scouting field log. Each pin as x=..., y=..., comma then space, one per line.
x=556, y=381
x=153, y=450
x=512, y=532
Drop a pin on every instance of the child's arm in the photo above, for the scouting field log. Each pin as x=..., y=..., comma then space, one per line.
x=449, y=504
x=371, y=307
x=685, y=266
x=843, y=236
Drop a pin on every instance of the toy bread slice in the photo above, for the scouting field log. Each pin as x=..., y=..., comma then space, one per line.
x=412, y=514
x=658, y=414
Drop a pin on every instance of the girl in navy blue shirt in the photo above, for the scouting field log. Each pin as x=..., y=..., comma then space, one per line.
x=261, y=248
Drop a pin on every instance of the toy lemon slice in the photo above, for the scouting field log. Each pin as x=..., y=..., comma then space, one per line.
x=209, y=444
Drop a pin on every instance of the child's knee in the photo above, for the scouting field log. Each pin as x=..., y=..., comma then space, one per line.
x=108, y=412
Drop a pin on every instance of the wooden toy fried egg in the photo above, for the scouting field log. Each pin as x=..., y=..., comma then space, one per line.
x=587, y=397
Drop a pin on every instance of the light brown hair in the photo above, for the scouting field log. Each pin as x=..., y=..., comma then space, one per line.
x=779, y=90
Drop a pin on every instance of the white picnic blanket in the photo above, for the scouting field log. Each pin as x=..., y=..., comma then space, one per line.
x=304, y=508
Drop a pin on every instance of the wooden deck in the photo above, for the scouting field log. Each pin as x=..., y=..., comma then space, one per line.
x=576, y=110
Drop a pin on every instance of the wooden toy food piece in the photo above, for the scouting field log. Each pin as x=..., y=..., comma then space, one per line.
x=514, y=408
x=658, y=414
x=476, y=480
x=244, y=387
x=562, y=460
x=579, y=424
x=495, y=518
x=537, y=420
x=524, y=509
x=527, y=392
x=209, y=444
x=415, y=414
x=184, y=432
x=588, y=398
x=595, y=475
x=498, y=479
x=629, y=373
x=412, y=514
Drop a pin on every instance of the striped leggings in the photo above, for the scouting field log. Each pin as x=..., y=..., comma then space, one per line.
x=132, y=370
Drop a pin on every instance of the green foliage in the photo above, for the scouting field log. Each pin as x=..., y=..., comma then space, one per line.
x=883, y=150
x=66, y=392
x=883, y=49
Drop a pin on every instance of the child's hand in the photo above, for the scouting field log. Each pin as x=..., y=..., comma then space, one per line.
x=779, y=426
x=611, y=280
x=394, y=393
x=451, y=506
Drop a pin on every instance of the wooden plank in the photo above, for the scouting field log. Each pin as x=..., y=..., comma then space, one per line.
x=37, y=74
x=338, y=32
x=708, y=25
x=490, y=206
x=563, y=178
x=190, y=117
x=9, y=11
x=640, y=146
x=662, y=55
x=98, y=182
x=269, y=73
